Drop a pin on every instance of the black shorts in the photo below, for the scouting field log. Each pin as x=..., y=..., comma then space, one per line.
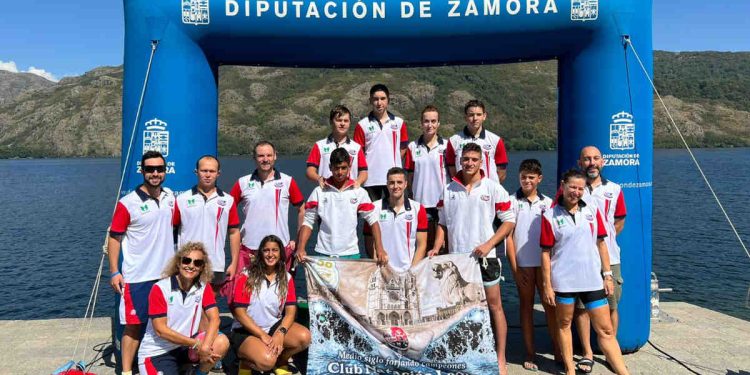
x=492, y=271
x=591, y=299
x=218, y=279
x=168, y=363
x=432, y=214
x=239, y=335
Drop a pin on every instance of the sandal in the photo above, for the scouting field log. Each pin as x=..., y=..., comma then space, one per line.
x=530, y=366
x=585, y=362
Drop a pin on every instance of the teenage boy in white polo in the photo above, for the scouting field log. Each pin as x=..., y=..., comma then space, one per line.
x=403, y=224
x=142, y=229
x=206, y=214
x=493, y=148
x=609, y=199
x=384, y=138
x=336, y=206
x=320, y=155
x=467, y=209
x=265, y=196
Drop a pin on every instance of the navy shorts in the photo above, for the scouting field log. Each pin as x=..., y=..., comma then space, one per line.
x=591, y=300
x=134, y=302
x=492, y=271
x=168, y=363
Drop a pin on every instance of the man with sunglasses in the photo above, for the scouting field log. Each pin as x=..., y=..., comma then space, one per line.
x=142, y=229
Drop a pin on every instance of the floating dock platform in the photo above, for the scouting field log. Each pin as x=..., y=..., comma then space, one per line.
x=705, y=341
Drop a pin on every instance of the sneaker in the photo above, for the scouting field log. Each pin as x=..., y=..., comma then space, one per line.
x=218, y=367
x=286, y=370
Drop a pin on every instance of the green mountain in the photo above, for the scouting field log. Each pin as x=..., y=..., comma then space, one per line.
x=707, y=92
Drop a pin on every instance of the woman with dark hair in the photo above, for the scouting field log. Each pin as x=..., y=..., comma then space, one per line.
x=176, y=305
x=575, y=265
x=264, y=333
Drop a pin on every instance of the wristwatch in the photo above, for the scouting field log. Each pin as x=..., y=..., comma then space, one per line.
x=282, y=330
x=607, y=273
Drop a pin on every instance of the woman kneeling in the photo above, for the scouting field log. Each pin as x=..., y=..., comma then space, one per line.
x=265, y=305
x=176, y=305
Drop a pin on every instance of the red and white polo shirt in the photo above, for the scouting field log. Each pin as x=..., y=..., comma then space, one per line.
x=265, y=306
x=145, y=225
x=468, y=215
x=320, y=156
x=265, y=205
x=611, y=202
x=206, y=219
x=182, y=310
x=382, y=144
x=528, y=227
x=399, y=231
x=429, y=168
x=337, y=212
x=493, y=151
x=576, y=265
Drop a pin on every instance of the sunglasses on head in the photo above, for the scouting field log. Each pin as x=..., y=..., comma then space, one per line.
x=196, y=262
x=154, y=168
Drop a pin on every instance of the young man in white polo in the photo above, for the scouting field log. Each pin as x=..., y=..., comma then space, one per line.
x=403, y=224
x=320, y=155
x=265, y=196
x=384, y=137
x=207, y=214
x=495, y=159
x=609, y=199
x=336, y=207
x=142, y=230
x=467, y=209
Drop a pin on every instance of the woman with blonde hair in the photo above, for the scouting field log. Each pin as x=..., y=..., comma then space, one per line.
x=265, y=304
x=176, y=305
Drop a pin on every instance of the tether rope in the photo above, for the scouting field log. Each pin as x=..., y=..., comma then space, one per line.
x=692, y=156
x=90, y=308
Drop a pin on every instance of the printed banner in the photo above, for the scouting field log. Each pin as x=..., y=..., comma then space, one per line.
x=432, y=319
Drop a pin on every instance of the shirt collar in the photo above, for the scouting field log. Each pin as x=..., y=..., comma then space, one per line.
x=482, y=133
x=581, y=202
x=145, y=196
x=420, y=141
x=458, y=177
x=194, y=190
x=347, y=184
x=256, y=177
x=371, y=117
x=520, y=195
x=176, y=285
x=330, y=139
x=386, y=206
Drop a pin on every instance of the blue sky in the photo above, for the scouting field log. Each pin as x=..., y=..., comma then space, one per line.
x=62, y=38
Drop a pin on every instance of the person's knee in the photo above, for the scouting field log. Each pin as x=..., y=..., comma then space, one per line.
x=221, y=345
x=564, y=322
x=305, y=339
x=266, y=363
x=605, y=331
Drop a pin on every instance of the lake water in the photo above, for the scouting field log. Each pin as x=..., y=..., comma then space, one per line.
x=55, y=213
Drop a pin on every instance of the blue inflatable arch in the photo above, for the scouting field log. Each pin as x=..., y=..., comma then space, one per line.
x=604, y=99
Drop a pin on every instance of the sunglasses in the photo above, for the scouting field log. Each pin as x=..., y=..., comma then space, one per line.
x=154, y=168
x=196, y=262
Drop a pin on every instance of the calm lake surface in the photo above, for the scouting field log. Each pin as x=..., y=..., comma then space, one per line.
x=55, y=214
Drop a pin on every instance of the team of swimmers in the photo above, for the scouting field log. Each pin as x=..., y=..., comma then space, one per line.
x=420, y=198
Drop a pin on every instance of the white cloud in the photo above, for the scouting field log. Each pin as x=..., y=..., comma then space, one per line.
x=11, y=66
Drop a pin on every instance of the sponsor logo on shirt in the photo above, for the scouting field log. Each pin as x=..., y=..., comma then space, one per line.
x=487, y=147
x=560, y=222
x=191, y=202
x=170, y=300
x=590, y=217
x=353, y=152
x=251, y=184
x=419, y=153
x=485, y=197
x=608, y=195
x=222, y=202
x=409, y=217
x=326, y=149
x=383, y=216
x=171, y=203
x=353, y=200
x=371, y=128
x=279, y=184
x=144, y=208
x=394, y=126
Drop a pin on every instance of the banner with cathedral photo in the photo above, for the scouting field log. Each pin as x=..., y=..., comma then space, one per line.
x=432, y=319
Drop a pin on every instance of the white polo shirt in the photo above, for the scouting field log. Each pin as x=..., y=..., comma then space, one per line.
x=429, y=168
x=382, y=144
x=493, y=151
x=320, y=156
x=337, y=212
x=145, y=225
x=206, y=219
x=265, y=306
x=399, y=231
x=468, y=215
x=611, y=202
x=576, y=265
x=528, y=227
x=183, y=312
x=265, y=205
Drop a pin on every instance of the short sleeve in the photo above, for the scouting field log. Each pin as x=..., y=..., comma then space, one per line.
x=366, y=209
x=120, y=220
x=295, y=195
x=450, y=155
x=234, y=217
x=422, y=219
x=501, y=156
x=209, y=299
x=547, y=236
x=359, y=136
x=409, y=160
x=311, y=209
x=241, y=297
x=620, y=210
x=157, y=304
x=176, y=217
x=361, y=160
x=291, y=292
x=313, y=160
x=601, y=230
x=404, y=134
x=503, y=205
x=236, y=192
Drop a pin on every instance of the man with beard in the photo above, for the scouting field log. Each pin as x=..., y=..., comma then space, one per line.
x=142, y=229
x=608, y=197
x=264, y=197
